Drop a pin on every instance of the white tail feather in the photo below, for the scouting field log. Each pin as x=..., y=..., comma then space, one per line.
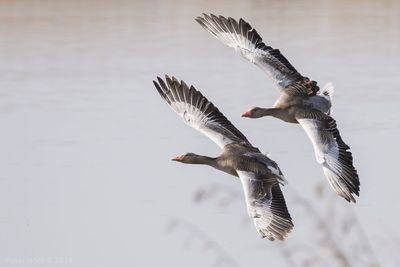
x=328, y=90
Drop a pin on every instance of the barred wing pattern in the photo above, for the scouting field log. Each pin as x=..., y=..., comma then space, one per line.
x=266, y=205
x=248, y=43
x=331, y=152
x=198, y=112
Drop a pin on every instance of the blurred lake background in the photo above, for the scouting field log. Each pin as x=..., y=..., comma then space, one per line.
x=86, y=141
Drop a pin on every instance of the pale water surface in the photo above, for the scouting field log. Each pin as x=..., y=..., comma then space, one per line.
x=85, y=139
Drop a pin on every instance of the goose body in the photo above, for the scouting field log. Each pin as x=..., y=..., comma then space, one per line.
x=260, y=176
x=300, y=101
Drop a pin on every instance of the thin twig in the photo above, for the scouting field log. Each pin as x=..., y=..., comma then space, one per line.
x=223, y=257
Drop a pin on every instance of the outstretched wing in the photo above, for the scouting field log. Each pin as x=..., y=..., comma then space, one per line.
x=331, y=152
x=266, y=205
x=248, y=43
x=198, y=112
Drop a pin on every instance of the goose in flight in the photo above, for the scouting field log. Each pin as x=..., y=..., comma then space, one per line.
x=300, y=101
x=260, y=176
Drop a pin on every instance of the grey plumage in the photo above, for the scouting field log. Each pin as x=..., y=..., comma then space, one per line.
x=260, y=176
x=248, y=43
x=299, y=102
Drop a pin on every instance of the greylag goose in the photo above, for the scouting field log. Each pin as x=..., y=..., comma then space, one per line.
x=299, y=102
x=260, y=176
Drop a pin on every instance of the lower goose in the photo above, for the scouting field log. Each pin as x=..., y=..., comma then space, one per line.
x=300, y=101
x=260, y=176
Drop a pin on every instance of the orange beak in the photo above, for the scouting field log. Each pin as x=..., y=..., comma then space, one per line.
x=177, y=158
x=246, y=114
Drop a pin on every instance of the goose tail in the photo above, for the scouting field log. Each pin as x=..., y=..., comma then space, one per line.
x=327, y=91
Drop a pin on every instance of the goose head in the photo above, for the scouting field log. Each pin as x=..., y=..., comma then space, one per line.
x=253, y=113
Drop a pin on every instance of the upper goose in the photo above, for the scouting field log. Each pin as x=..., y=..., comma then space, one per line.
x=299, y=101
x=260, y=176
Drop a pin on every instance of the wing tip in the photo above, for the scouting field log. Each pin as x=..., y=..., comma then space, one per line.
x=281, y=224
x=199, y=20
x=273, y=233
x=343, y=186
